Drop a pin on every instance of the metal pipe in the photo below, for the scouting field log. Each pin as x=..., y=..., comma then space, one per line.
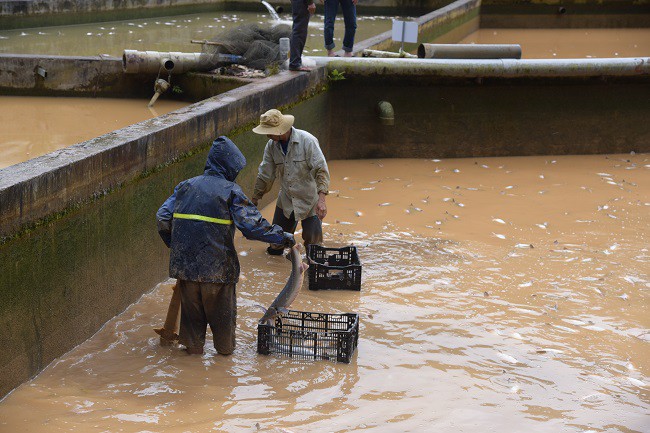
x=632, y=66
x=469, y=51
x=134, y=62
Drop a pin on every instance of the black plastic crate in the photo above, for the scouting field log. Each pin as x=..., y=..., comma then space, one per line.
x=334, y=268
x=313, y=336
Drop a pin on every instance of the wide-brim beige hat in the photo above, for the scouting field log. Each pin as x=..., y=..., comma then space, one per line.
x=274, y=123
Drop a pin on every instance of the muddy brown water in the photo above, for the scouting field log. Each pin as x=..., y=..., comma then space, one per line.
x=34, y=126
x=498, y=294
x=568, y=43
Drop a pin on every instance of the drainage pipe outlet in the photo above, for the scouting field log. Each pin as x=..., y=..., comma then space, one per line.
x=135, y=62
x=469, y=51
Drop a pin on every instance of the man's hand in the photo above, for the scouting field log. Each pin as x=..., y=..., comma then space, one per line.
x=321, y=207
x=289, y=241
x=254, y=201
x=312, y=8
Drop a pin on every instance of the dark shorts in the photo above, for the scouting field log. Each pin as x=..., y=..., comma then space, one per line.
x=205, y=304
x=312, y=229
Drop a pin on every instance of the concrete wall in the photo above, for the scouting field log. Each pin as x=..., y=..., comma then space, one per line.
x=493, y=117
x=565, y=13
x=97, y=76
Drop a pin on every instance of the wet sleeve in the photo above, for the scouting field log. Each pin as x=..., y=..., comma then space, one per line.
x=319, y=168
x=251, y=222
x=164, y=218
x=265, y=174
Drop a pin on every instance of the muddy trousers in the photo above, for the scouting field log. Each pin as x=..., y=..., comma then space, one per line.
x=205, y=304
x=312, y=229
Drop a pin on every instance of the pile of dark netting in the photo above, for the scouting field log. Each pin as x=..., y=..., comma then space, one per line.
x=259, y=45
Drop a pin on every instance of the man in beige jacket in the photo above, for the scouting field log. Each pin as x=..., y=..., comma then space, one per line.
x=295, y=158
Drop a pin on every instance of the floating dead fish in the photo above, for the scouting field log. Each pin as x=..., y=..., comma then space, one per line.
x=564, y=328
x=374, y=181
x=509, y=187
x=633, y=279
x=243, y=253
x=516, y=335
x=603, y=174
x=484, y=166
x=500, y=236
x=460, y=204
x=575, y=322
x=635, y=382
x=385, y=204
x=498, y=220
x=436, y=160
x=456, y=170
x=524, y=246
x=370, y=188
x=542, y=226
x=359, y=214
x=547, y=350
x=345, y=223
x=437, y=170
x=346, y=178
x=507, y=358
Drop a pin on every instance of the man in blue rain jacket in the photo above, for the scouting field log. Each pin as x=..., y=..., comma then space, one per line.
x=197, y=222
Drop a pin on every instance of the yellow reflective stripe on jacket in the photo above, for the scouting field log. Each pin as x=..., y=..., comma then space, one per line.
x=187, y=216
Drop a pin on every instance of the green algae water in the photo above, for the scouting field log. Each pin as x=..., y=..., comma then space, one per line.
x=167, y=34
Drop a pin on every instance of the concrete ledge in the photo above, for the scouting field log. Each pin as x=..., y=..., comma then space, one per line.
x=96, y=76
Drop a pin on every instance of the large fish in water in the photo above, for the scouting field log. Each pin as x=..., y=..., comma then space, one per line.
x=290, y=290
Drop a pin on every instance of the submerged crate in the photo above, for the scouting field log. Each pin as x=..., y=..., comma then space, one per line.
x=305, y=335
x=334, y=268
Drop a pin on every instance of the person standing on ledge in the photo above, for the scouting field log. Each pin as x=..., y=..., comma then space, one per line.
x=197, y=222
x=349, y=9
x=295, y=157
x=301, y=10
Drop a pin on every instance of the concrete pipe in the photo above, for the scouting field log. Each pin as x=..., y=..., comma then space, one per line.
x=135, y=62
x=469, y=51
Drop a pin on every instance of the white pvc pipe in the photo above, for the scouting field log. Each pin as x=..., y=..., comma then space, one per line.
x=134, y=62
x=632, y=66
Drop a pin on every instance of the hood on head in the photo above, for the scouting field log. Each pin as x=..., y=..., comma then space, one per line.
x=225, y=159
